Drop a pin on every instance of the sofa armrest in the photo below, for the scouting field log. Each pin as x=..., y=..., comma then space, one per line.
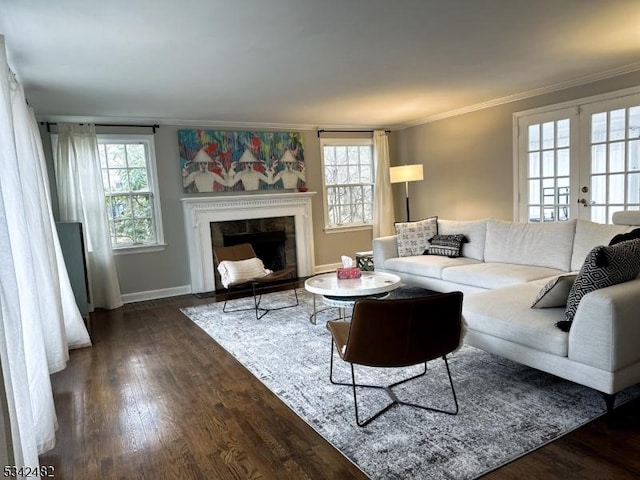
x=383, y=249
x=605, y=332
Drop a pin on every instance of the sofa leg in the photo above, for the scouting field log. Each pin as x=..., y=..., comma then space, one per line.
x=609, y=400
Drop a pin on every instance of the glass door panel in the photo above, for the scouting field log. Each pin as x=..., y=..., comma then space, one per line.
x=609, y=181
x=546, y=175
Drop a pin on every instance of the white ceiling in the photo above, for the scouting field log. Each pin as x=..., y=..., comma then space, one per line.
x=315, y=63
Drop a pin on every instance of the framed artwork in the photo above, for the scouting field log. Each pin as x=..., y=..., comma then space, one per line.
x=226, y=161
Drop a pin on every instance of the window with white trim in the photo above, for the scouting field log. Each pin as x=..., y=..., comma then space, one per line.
x=348, y=182
x=128, y=167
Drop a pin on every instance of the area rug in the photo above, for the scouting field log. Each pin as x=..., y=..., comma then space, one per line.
x=506, y=409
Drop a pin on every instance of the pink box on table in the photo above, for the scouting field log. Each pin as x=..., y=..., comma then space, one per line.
x=348, y=273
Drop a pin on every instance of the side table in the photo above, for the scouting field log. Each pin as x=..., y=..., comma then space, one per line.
x=364, y=261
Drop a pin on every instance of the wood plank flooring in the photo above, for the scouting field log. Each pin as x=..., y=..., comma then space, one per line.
x=157, y=398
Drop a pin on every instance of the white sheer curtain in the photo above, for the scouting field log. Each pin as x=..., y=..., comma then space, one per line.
x=383, y=216
x=39, y=317
x=81, y=199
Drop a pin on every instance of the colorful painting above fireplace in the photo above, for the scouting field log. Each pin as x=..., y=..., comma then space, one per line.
x=226, y=161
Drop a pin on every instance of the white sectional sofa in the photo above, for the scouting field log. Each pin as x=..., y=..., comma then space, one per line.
x=502, y=269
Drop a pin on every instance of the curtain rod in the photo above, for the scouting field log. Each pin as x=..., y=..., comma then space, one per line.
x=155, y=126
x=349, y=131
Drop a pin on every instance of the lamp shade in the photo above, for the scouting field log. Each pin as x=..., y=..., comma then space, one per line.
x=406, y=173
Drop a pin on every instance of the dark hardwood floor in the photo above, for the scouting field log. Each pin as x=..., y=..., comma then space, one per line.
x=156, y=398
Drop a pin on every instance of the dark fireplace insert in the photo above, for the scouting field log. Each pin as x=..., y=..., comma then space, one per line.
x=269, y=246
x=273, y=240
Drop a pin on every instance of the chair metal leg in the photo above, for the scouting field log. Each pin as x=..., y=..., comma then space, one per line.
x=256, y=307
x=388, y=389
x=256, y=302
x=257, y=299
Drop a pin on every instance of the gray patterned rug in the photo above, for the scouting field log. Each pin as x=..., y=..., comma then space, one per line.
x=506, y=409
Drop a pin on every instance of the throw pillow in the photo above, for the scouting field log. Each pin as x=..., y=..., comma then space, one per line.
x=623, y=264
x=555, y=293
x=622, y=237
x=413, y=237
x=233, y=272
x=446, y=245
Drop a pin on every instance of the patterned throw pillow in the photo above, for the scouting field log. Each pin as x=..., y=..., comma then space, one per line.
x=413, y=237
x=555, y=293
x=446, y=245
x=622, y=265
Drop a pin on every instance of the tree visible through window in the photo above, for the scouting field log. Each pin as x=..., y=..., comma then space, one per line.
x=348, y=182
x=129, y=192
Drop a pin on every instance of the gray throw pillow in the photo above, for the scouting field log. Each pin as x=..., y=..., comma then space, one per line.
x=555, y=293
x=622, y=265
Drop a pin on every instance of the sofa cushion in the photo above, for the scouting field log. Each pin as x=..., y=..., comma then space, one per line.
x=413, y=237
x=474, y=230
x=495, y=275
x=555, y=292
x=505, y=313
x=622, y=265
x=590, y=235
x=539, y=244
x=446, y=245
x=425, y=265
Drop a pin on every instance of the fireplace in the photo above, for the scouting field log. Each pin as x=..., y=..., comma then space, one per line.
x=201, y=212
x=269, y=246
x=273, y=240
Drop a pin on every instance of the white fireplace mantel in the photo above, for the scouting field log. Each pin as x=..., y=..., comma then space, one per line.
x=200, y=212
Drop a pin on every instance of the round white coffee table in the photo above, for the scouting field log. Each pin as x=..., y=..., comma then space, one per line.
x=342, y=294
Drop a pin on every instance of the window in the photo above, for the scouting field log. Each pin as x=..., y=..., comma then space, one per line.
x=348, y=181
x=130, y=183
x=580, y=159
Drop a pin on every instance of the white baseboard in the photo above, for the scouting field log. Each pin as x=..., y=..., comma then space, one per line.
x=186, y=289
x=155, y=294
x=329, y=267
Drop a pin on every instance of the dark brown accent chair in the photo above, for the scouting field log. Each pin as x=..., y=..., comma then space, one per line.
x=244, y=251
x=398, y=333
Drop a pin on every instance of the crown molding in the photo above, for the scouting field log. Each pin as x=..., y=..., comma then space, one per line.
x=633, y=67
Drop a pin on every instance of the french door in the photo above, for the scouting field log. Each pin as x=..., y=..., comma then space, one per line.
x=612, y=154
x=581, y=161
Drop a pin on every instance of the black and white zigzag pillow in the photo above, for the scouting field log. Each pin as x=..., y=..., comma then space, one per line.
x=446, y=245
x=622, y=264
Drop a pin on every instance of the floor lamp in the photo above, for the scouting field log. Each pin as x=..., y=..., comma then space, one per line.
x=406, y=174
